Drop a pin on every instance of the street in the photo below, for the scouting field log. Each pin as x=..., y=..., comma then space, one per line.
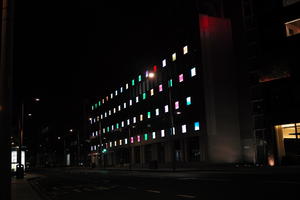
x=76, y=183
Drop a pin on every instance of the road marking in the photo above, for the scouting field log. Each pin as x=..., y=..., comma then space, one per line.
x=131, y=188
x=153, y=191
x=186, y=196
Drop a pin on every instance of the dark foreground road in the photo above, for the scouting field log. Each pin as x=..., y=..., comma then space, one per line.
x=81, y=184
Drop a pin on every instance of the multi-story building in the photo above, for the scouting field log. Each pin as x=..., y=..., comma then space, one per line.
x=180, y=110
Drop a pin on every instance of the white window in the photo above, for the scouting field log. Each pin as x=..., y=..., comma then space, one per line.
x=116, y=93
x=153, y=135
x=112, y=95
x=109, y=112
x=141, y=117
x=115, y=143
x=119, y=107
x=101, y=116
x=156, y=111
x=125, y=141
x=112, y=127
x=96, y=133
x=120, y=141
x=114, y=110
x=185, y=50
x=136, y=99
x=127, y=85
x=164, y=63
x=110, y=144
x=103, y=130
x=134, y=119
x=193, y=72
x=130, y=102
x=146, y=73
x=166, y=108
x=124, y=105
x=183, y=128
x=105, y=114
x=162, y=133
x=152, y=92
x=121, y=89
x=122, y=124
x=128, y=121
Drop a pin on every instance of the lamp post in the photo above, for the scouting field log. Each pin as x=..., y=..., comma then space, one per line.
x=78, y=146
x=21, y=136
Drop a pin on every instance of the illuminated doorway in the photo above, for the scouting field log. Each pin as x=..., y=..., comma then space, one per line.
x=288, y=143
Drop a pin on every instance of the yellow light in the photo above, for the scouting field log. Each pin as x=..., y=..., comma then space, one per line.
x=151, y=75
x=287, y=125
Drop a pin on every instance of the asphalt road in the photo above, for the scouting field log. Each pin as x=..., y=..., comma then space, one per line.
x=86, y=184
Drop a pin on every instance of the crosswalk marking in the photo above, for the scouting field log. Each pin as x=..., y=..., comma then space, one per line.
x=186, y=196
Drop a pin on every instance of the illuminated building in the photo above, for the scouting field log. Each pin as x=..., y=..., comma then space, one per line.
x=180, y=110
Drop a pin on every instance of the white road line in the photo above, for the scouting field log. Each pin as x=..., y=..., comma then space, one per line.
x=186, y=196
x=153, y=191
x=131, y=188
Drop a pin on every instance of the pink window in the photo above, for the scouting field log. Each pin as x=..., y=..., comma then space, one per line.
x=180, y=77
x=131, y=140
x=138, y=138
x=176, y=105
x=160, y=87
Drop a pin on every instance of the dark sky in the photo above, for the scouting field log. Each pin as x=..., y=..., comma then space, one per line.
x=66, y=51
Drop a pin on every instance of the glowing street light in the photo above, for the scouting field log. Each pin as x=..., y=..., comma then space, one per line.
x=151, y=75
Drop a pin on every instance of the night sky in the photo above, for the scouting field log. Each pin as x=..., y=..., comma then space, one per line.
x=66, y=51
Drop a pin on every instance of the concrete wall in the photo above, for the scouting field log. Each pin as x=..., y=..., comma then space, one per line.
x=220, y=90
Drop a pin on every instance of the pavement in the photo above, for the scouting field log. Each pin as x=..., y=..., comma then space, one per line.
x=21, y=189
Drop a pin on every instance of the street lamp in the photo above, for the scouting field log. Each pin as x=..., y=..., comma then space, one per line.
x=21, y=135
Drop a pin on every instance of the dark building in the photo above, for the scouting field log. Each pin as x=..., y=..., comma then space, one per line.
x=181, y=109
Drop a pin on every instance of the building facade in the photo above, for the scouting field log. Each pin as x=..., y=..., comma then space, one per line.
x=178, y=111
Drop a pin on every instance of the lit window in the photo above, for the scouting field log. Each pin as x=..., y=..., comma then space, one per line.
x=144, y=95
x=152, y=92
x=170, y=82
x=180, y=77
x=162, y=133
x=91, y=148
x=112, y=127
x=196, y=126
x=166, y=108
x=132, y=82
x=137, y=99
x=122, y=124
x=96, y=105
x=92, y=107
x=114, y=110
x=106, y=144
x=127, y=86
x=106, y=98
x=99, y=103
x=188, y=101
x=101, y=116
x=185, y=50
x=96, y=133
x=183, y=128
x=107, y=129
x=120, y=141
x=128, y=121
x=153, y=135
x=109, y=112
x=176, y=105
x=164, y=62
x=102, y=100
x=173, y=131
x=112, y=95
x=119, y=107
x=292, y=27
x=94, y=120
x=121, y=89
x=110, y=144
x=147, y=74
x=149, y=115
x=139, y=138
x=141, y=117
x=115, y=143
x=134, y=120
x=93, y=134
x=117, y=125
x=130, y=102
x=116, y=93
x=97, y=118
x=193, y=72
x=160, y=88
x=173, y=56
x=124, y=104
x=103, y=130
x=131, y=140
x=145, y=136
x=140, y=78
x=105, y=114
x=125, y=141
x=156, y=111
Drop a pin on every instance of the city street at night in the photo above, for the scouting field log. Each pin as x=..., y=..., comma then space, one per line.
x=77, y=183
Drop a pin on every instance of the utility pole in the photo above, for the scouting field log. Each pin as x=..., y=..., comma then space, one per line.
x=6, y=67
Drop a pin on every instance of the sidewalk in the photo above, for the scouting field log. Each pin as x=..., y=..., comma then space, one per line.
x=22, y=190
